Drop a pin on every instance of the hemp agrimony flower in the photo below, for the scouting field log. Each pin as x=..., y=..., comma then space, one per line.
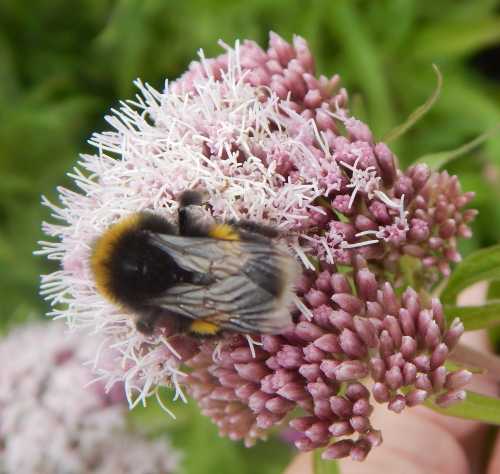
x=54, y=419
x=270, y=141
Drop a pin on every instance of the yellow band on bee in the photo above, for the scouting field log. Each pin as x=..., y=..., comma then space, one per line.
x=102, y=250
x=224, y=232
x=204, y=328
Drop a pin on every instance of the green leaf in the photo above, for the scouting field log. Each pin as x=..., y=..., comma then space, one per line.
x=435, y=161
x=455, y=38
x=494, y=290
x=346, y=23
x=481, y=265
x=475, y=407
x=322, y=466
x=475, y=317
x=494, y=294
x=418, y=113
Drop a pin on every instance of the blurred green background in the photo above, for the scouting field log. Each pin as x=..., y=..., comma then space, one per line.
x=63, y=64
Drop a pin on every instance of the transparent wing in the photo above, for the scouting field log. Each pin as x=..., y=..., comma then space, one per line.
x=250, y=283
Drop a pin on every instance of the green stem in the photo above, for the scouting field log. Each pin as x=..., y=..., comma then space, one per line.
x=320, y=466
x=418, y=113
x=475, y=407
x=437, y=160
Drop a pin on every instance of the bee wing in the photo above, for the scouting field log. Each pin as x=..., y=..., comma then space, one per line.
x=198, y=254
x=249, y=285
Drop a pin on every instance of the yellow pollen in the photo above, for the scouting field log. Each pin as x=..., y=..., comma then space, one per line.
x=204, y=328
x=224, y=232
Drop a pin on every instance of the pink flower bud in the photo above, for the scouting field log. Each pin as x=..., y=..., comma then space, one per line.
x=351, y=344
x=392, y=326
x=318, y=432
x=423, y=382
x=397, y=404
x=377, y=369
x=360, y=423
x=308, y=331
x=416, y=397
x=407, y=322
x=380, y=392
x=449, y=398
x=293, y=391
x=458, y=379
x=347, y=302
x=350, y=370
x=328, y=343
x=320, y=390
x=453, y=334
x=279, y=406
x=341, y=406
x=366, y=331
x=439, y=356
x=253, y=371
x=360, y=450
x=341, y=428
x=409, y=373
x=290, y=357
x=310, y=371
x=338, y=450
x=394, y=378
x=357, y=391
x=366, y=284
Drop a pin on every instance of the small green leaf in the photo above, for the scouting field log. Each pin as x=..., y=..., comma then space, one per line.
x=347, y=24
x=322, y=466
x=494, y=290
x=453, y=39
x=481, y=265
x=475, y=317
x=435, y=161
x=475, y=407
x=418, y=113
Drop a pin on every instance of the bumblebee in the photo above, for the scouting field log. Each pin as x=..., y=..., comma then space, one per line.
x=206, y=276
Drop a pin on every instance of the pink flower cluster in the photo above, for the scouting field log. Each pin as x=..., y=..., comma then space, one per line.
x=269, y=141
x=393, y=212
x=357, y=335
x=53, y=419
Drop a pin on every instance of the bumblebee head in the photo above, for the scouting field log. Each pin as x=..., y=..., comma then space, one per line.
x=128, y=269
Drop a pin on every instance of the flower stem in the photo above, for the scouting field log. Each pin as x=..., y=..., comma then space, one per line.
x=321, y=466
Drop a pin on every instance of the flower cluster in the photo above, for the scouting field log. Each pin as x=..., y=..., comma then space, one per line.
x=42, y=390
x=355, y=328
x=269, y=141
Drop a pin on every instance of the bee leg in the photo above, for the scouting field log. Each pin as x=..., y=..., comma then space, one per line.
x=146, y=321
x=152, y=318
x=190, y=198
x=250, y=227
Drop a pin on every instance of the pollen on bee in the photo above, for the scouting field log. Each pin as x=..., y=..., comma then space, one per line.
x=224, y=232
x=204, y=328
